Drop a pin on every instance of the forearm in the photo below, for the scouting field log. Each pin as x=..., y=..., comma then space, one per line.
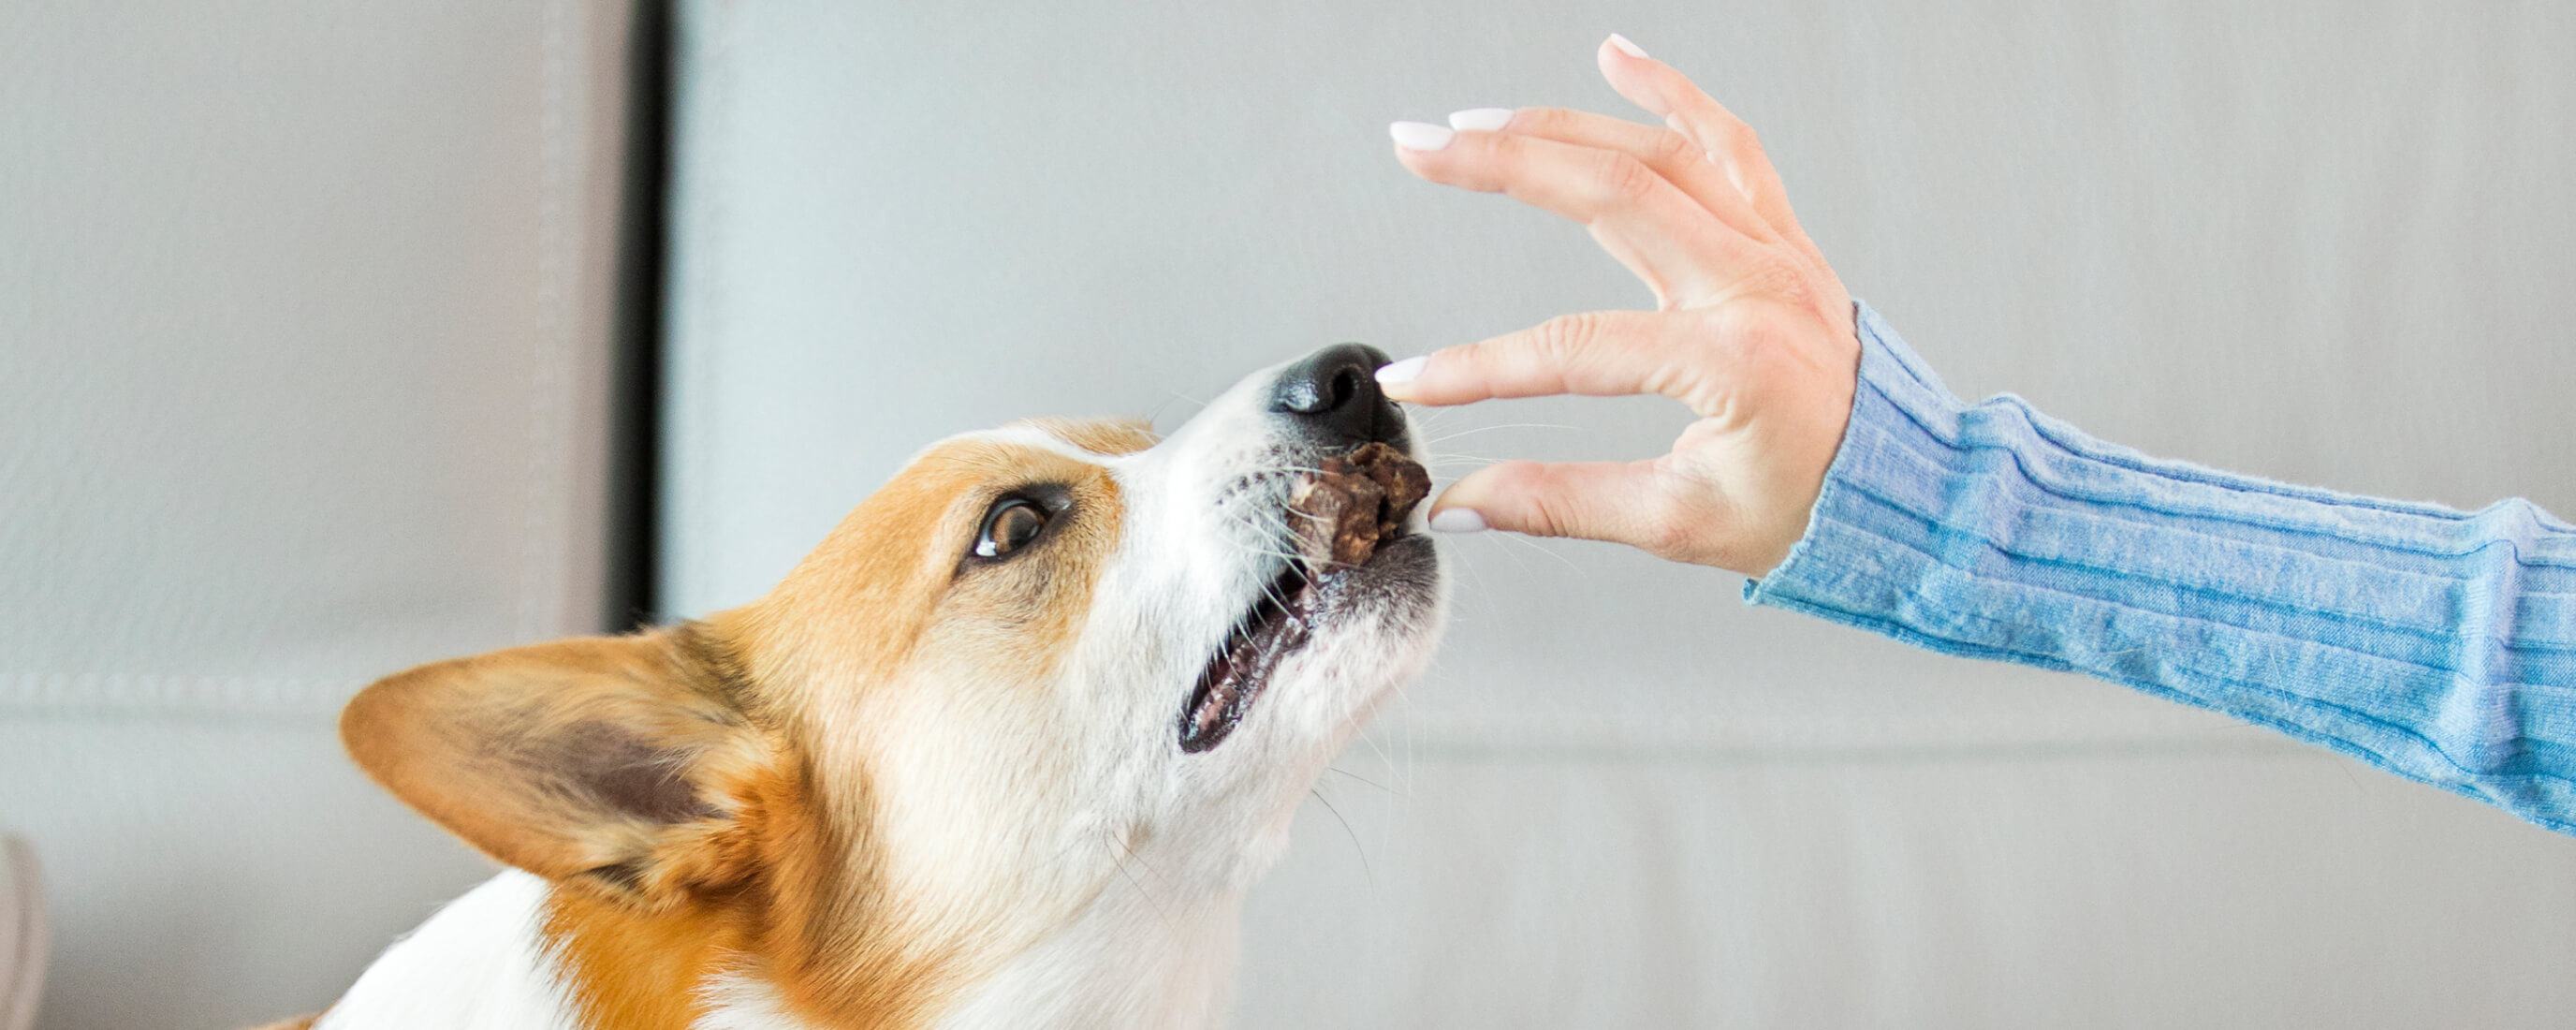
x=2436, y=643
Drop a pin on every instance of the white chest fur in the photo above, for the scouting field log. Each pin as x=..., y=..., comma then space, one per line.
x=1127, y=962
x=476, y=965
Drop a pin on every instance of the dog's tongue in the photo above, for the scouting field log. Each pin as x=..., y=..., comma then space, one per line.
x=1356, y=501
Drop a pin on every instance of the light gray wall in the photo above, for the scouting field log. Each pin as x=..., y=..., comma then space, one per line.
x=2309, y=240
x=303, y=379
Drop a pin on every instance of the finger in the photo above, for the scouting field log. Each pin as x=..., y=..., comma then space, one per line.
x=1595, y=354
x=1682, y=251
x=1716, y=131
x=1671, y=154
x=1622, y=502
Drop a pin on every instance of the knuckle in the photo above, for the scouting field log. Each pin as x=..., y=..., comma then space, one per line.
x=1666, y=536
x=1541, y=119
x=1652, y=536
x=1565, y=337
x=1625, y=179
x=1668, y=529
x=1547, y=509
x=1672, y=150
x=1792, y=285
x=1726, y=132
x=1777, y=280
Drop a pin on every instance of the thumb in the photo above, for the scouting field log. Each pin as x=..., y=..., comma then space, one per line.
x=1618, y=501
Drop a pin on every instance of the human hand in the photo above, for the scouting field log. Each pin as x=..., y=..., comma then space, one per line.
x=1751, y=328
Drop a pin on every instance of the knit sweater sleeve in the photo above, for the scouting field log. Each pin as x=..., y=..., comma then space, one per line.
x=2438, y=644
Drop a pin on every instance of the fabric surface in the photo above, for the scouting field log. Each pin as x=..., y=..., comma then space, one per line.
x=2436, y=643
x=304, y=379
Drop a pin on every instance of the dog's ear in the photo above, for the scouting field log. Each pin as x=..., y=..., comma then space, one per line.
x=623, y=762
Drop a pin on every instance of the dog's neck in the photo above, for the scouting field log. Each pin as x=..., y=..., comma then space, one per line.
x=1130, y=959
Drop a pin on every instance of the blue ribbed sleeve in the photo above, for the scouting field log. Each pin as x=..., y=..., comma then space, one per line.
x=2438, y=644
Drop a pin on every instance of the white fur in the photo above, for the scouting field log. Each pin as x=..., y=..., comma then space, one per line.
x=476, y=965
x=739, y=1003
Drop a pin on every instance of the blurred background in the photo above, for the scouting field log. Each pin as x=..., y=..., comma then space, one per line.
x=337, y=337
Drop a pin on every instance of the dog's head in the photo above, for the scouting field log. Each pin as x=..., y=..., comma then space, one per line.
x=1035, y=655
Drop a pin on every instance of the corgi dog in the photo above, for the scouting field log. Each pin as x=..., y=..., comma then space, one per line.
x=1006, y=750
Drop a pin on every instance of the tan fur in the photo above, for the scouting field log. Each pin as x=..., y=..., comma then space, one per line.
x=740, y=836
x=475, y=744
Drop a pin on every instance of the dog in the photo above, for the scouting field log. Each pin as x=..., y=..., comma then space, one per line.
x=1005, y=750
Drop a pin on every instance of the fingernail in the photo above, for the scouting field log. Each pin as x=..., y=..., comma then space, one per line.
x=1458, y=520
x=1480, y=119
x=1419, y=135
x=1625, y=47
x=1402, y=371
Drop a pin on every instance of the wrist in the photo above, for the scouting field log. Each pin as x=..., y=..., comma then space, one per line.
x=1887, y=392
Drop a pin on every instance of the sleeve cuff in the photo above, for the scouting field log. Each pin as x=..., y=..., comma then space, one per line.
x=1835, y=570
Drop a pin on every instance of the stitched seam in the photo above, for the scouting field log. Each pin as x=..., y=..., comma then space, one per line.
x=2069, y=439
x=2426, y=634
x=1950, y=645
x=2247, y=485
x=2453, y=519
x=2044, y=660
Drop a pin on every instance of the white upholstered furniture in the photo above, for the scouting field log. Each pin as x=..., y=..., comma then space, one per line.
x=303, y=342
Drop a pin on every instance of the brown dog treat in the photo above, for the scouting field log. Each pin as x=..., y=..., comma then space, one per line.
x=1355, y=502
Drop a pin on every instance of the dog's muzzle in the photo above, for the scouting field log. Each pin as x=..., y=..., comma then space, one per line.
x=1355, y=487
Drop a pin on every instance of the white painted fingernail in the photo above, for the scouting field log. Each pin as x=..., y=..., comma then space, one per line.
x=1458, y=520
x=1403, y=371
x=1625, y=47
x=1480, y=119
x=1420, y=135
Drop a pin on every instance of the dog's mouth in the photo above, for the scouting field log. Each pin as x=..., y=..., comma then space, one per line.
x=1340, y=516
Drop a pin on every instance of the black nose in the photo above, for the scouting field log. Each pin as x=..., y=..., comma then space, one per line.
x=1333, y=393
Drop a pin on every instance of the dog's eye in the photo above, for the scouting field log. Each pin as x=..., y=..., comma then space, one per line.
x=1013, y=522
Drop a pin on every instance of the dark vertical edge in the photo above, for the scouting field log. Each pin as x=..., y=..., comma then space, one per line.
x=635, y=471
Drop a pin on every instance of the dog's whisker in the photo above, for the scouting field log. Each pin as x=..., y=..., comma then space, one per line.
x=1380, y=748
x=1362, y=779
x=1357, y=848
x=1473, y=430
x=1119, y=844
x=1534, y=543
